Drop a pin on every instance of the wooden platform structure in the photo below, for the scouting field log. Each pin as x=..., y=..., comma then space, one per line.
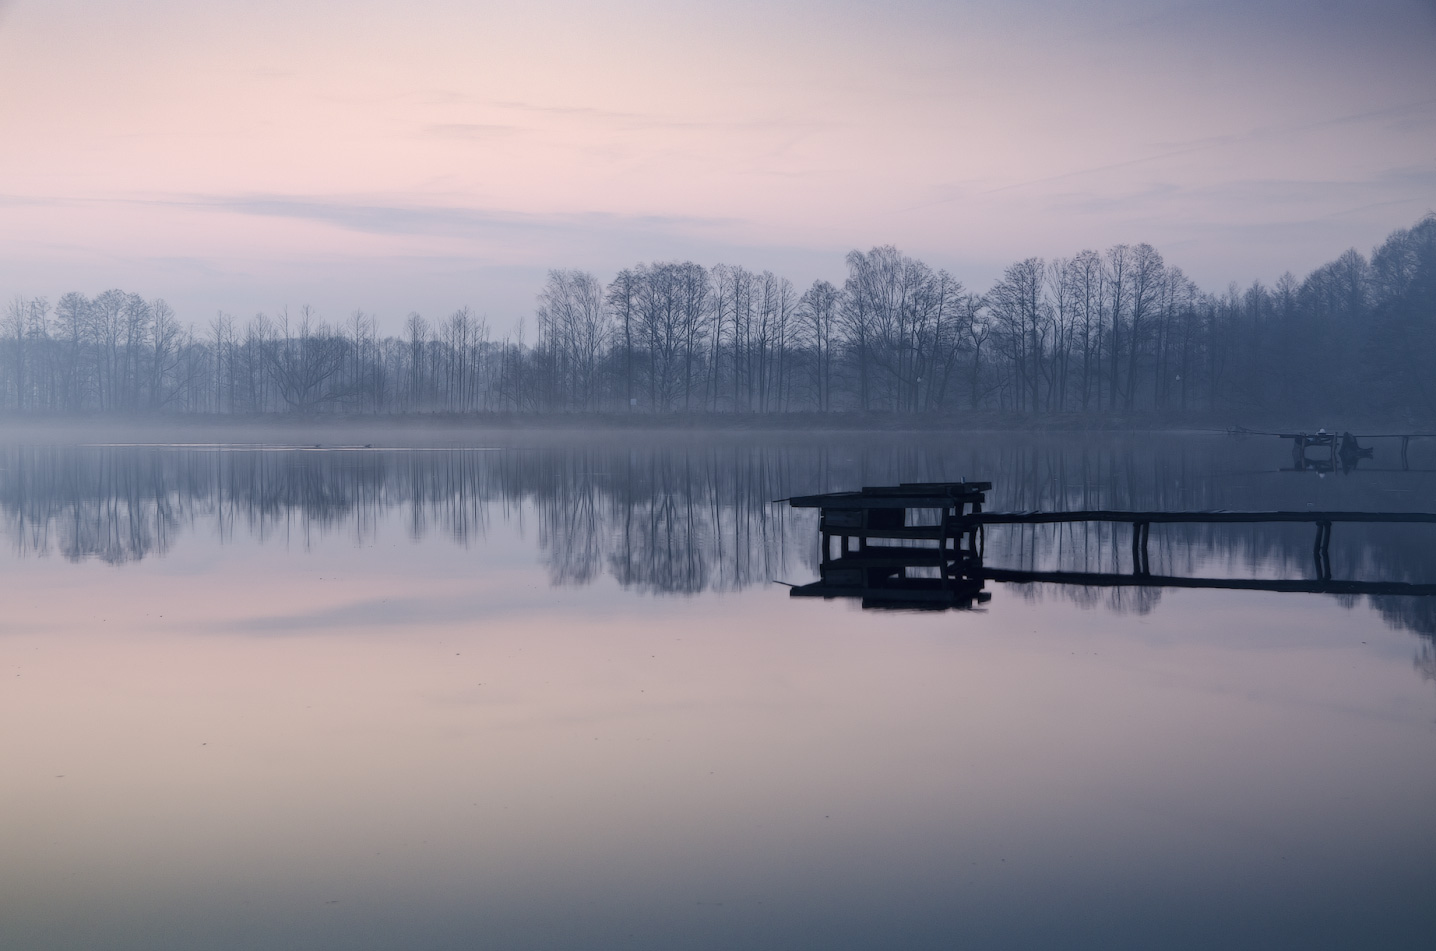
x=922, y=545
x=937, y=552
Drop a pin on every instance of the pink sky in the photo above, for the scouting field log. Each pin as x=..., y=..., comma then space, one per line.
x=434, y=153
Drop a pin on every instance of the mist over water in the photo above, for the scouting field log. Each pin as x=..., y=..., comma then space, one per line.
x=548, y=695
x=666, y=519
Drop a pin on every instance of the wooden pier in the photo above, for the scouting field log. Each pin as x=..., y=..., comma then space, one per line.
x=922, y=545
x=935, y=559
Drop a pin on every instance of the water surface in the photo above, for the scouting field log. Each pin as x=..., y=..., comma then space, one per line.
x=258, y=696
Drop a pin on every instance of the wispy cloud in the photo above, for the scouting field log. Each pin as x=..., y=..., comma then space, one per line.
x=471, y=130
x=20, y=201
x=378, y=217
x=1280, y=132
x=1308, y=199
x=586, y=112
x=530, y=114
x=401, y=219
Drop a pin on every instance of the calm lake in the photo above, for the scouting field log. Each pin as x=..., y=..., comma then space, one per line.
x=497, y=694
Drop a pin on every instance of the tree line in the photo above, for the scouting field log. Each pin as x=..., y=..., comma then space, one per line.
x=1114, y=331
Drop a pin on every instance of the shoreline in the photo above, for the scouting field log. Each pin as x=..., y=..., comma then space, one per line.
x=518, y=431
x=32, y=426
x=454, y=429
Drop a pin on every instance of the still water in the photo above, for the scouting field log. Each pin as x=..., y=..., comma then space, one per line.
x=519, y=696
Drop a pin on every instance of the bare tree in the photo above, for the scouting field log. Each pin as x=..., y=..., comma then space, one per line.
x=574, y=324
x=818, y=308
x=306, y=362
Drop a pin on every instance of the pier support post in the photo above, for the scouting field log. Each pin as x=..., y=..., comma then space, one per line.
x=1140, y=564
x=1321, y=551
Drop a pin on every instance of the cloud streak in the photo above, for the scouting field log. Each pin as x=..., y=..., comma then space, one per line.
x=401, y=219
x=1257, y=190
x=471, y=130
x=440, y=221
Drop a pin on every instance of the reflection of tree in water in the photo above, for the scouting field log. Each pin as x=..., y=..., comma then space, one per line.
x=1409, y=614
x=693, y=518
x=657, y=521
x=671, y=522
x=93, y=504
x=685, y=522
x=1119, y=600
x=1425, y=662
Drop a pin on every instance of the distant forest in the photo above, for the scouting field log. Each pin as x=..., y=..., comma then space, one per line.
x=1119, y=331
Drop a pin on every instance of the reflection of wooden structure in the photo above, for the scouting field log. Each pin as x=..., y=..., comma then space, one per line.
x=913, y=545
x=921, y=545
x=1141, y=523
x=1113, y=579
x=1405, y=441
x=1339, y=448
x=1323, y=441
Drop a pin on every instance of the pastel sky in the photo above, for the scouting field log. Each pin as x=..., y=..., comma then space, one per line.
x=244, y=155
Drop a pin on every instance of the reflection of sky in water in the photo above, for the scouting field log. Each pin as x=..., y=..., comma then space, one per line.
x=313, y=741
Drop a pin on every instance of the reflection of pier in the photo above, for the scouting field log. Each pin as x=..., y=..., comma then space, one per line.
x=1343, y=450
x=1141, y=523
x=921, y=545
x=1118, y=580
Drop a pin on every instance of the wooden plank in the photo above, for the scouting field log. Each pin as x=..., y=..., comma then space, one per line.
x=914, y=590
x=953, y=489
x=854, y=501
x=1012, y=576
x=921, y=532
x=818, y=501
x=843, y=576
x=1107, y=515
x=905, y=495
x=890, y=557
x=885, y=518
x=852, y=518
